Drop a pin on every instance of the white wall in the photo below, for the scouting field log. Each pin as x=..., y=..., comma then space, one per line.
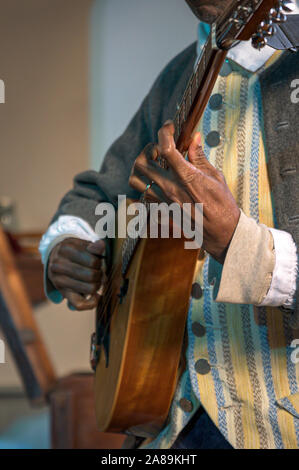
x=131, y=41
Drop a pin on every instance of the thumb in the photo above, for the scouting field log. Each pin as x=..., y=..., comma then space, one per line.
x=76, y=301
x=96, y=248
x=196, y=154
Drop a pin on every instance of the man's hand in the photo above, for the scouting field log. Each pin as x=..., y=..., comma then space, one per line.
x=75, y=270
x=193, y=181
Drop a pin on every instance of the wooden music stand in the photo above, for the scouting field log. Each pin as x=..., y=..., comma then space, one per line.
x=71, y=399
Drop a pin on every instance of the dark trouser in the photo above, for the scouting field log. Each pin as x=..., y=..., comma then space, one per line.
x=201, y=433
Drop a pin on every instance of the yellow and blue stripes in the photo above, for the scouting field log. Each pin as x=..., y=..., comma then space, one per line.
x=251, y=392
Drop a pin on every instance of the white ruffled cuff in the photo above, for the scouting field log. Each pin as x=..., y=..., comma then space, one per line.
x=282, y=290
x=66, y=226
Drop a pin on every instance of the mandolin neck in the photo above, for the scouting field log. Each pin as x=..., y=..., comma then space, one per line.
x=188, y=113
x=197, y=93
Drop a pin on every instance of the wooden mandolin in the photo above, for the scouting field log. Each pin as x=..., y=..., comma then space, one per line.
x=142, y=314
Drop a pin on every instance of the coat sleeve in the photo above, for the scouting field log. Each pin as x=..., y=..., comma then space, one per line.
x=92, y=187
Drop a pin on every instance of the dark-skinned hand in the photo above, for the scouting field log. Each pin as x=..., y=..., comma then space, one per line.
x=189, y=181
x=75, y=270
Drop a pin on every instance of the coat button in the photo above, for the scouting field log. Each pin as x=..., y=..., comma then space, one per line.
x=202, y=367
x=213, y=139
x=216, y=102
x=196, y=291
x=186, y=405
x=198, y=329
x=226, y=69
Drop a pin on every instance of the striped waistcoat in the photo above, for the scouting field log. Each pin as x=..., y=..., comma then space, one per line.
x=240, y=359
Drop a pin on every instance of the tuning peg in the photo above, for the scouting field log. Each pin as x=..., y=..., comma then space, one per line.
x=277, y=15
x=267, y=28
x=236, y=19
x=287, y=5
x=280, y=18
x=258, y=41
x=244, y=9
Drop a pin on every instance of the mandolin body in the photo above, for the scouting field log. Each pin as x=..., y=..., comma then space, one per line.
x=146, y=336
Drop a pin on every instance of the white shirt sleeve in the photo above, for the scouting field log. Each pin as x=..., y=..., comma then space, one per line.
x=66, y=226
x=284, y=279
x=282, y=290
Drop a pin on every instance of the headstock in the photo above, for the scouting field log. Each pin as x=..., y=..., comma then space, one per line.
x=251, y=19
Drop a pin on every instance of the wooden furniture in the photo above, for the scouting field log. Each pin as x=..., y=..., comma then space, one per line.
x=71, y=399
x=73, y=423
x=20, y=329
x=29, y=265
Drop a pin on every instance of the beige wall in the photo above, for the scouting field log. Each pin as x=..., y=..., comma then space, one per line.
x=44, y=139
x=67, y=338
x=44, y=122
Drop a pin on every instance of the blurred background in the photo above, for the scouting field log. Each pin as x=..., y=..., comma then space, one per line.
x=75, y=71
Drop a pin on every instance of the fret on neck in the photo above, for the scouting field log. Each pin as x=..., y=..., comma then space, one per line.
x=184, y=108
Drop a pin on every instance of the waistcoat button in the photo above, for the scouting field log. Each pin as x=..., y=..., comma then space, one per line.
x=198, y=329
x=196, y=291
x=216, y=102
x=213, y=139
x=202, y=367
x=186, y=405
